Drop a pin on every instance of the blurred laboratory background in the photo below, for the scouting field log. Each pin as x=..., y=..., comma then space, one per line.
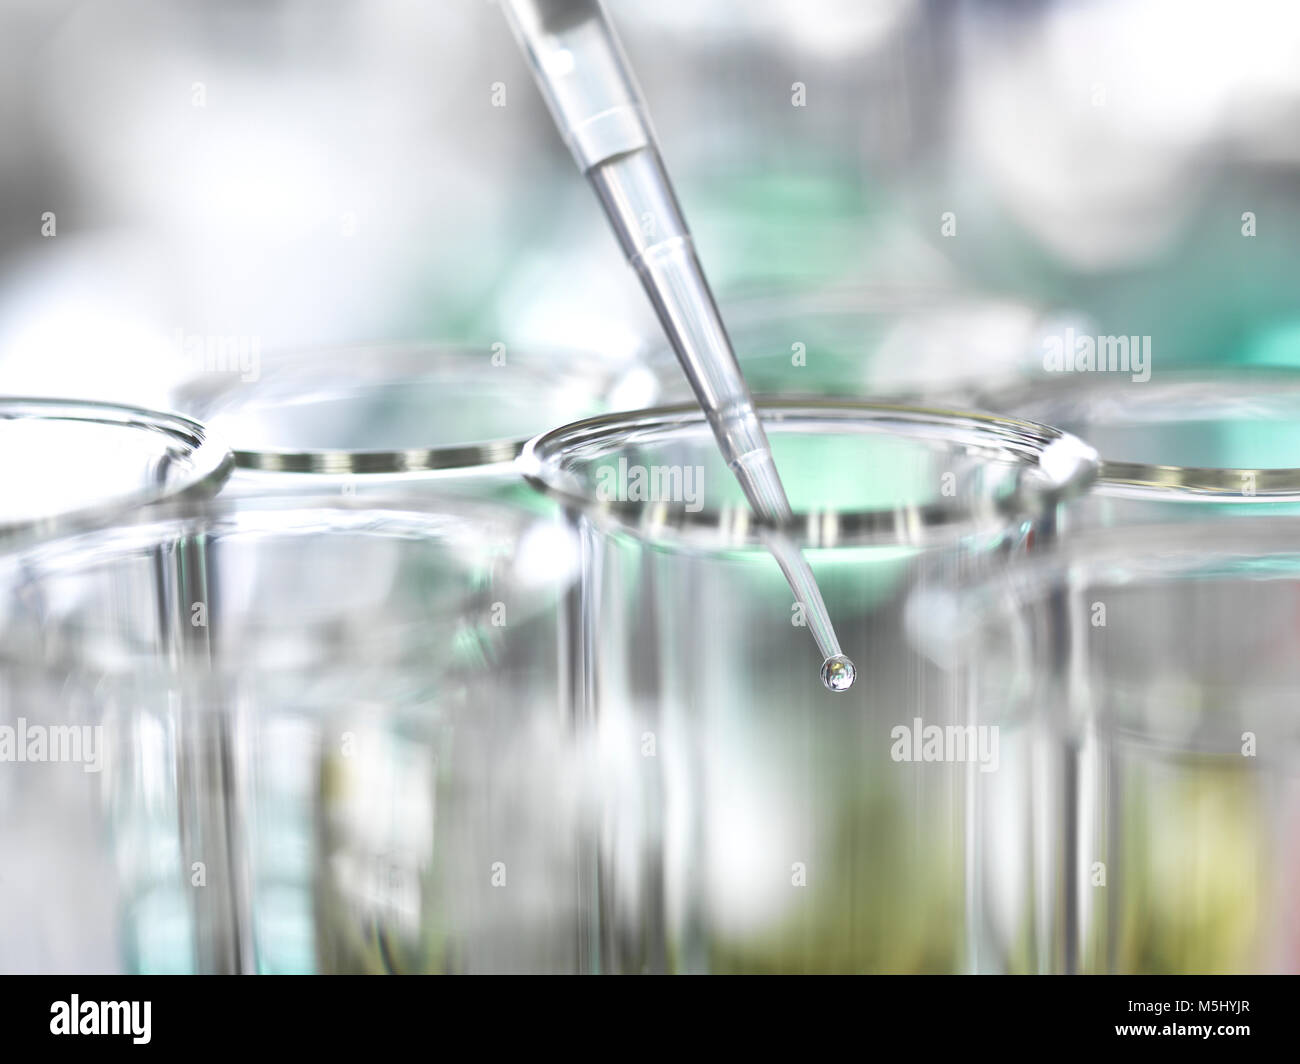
x=178, y=176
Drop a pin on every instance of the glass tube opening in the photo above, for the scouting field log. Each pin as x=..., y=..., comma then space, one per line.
x=857, y=473
x=76, y=463
x=1230, y=437
x=401, y=410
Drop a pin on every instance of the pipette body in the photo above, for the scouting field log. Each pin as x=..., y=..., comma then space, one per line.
x=589, y=89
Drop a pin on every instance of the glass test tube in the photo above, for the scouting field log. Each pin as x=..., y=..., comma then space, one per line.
x=306, y=758
x=1144, y=818
x=753, y=822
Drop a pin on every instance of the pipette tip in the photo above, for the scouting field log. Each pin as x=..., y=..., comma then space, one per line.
x=838, y=673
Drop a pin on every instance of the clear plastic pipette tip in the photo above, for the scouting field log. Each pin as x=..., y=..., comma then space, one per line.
x=838, y=672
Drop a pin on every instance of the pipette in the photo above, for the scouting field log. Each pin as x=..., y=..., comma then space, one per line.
x=588, y=86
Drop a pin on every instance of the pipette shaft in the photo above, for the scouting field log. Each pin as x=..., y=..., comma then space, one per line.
x=588, y=86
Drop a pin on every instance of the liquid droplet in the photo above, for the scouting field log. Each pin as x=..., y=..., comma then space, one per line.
x=838, y=673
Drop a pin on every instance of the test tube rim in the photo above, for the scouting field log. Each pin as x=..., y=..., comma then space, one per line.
x=1213, y=387
x=210, y=463
x=290, y=374
x=739, y=529
x=430, y=520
